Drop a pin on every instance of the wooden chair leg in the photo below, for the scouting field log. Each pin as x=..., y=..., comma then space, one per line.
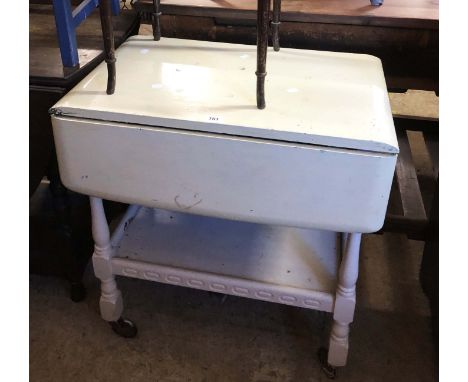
x=263, y=14
x=105, y=11
x=275, y=24
x=429, y=272
x=345, y=301
x=155, y=20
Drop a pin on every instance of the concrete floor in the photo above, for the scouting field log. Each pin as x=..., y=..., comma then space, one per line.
x=189, y=335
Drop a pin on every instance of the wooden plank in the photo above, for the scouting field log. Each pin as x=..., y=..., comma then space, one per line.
x=413, y=123
x=413, y=228
x=411, y=200
x=411, y=219
x=432, y=144
x=395, y=13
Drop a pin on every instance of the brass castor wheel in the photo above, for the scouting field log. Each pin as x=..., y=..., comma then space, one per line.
x=124, y=328
x=328, y=369
x=77, y=292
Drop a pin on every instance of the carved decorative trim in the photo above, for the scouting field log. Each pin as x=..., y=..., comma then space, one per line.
x=224, y=284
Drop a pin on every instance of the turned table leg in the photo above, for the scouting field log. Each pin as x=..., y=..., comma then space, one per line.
x=263, y=14
x=111, y=298
x=155, y=20
x=345, y=301
x=110, y=303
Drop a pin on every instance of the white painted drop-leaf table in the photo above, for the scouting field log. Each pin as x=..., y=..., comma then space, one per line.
x=225, y=197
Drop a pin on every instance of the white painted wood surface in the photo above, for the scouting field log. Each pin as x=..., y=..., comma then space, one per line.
x=290, y=266
x=228, y=177
x=345, y=300
x=110, y=303
x=323, y=98
x=271, y=263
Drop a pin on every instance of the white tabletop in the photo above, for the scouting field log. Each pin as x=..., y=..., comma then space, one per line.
x=312, y=97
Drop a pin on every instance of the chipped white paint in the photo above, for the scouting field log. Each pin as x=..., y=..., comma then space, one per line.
x=343, y=98
x=269, y=263
x=284, y=265
x=283, y=183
